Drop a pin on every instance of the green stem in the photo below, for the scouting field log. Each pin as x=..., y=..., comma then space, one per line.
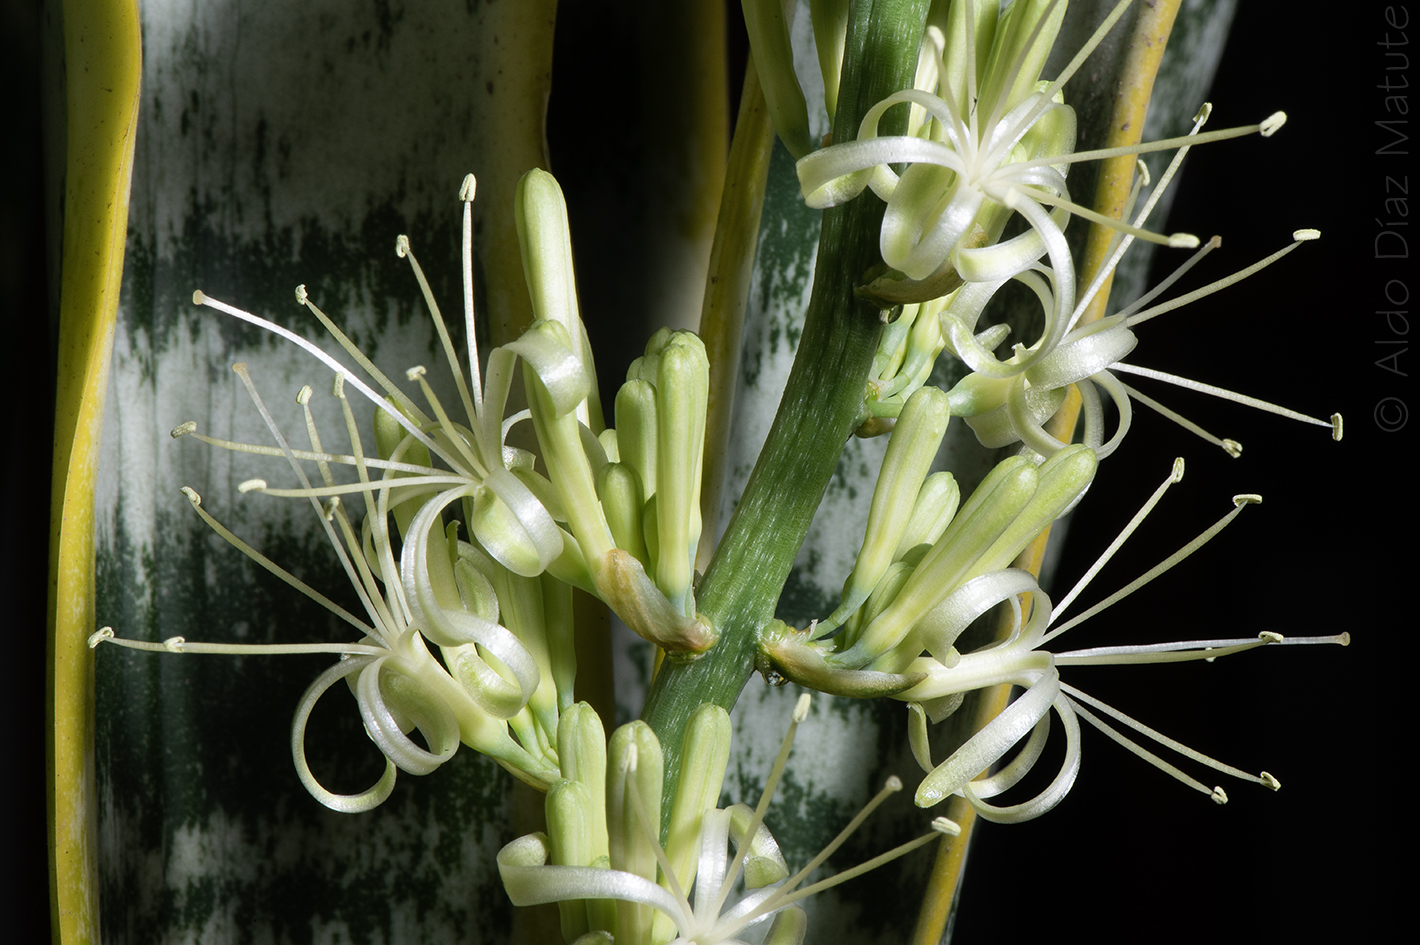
x=820, y=406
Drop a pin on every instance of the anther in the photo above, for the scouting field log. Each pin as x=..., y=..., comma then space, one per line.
x=252, y=485
x=183, y=429
x=192, y=495
x=1336, y=427
x=1220, y=796
x=1204, y=112
x=1268, y=781
x=1178, y=469
x=303, y=396
x=100, y=636
x=801, y=708
x=1143, y=171
x=946, y=827
x=401, y=246
x=301, y=294
x=1233, y=448
x=1248, y=498
x=337, y=389
x=1271, y=636
x=199, y=298
x=174, y=644
x=466, y=190
x=331, y=506
x=1301, y=236
x=1272, y=123
x=893, y=783
x=415, y=373
x=1183, y=241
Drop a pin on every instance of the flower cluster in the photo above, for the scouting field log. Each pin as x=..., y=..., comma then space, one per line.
x=603, y=863
x=616, y=516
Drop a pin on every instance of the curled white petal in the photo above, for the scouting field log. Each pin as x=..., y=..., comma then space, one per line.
x=344, y=803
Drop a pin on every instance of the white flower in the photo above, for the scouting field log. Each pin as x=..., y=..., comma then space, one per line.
x=1022, y=660
x=496, y=690
x=697, y=872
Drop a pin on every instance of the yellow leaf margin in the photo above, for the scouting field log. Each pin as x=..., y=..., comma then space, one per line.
x=103, y=68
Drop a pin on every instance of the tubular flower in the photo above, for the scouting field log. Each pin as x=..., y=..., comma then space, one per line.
x=1002, y=411
x=497, y=687
x=602, y=861
x=992, y=141
x=927, y=671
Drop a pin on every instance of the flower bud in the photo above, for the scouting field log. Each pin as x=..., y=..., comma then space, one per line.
x=633, y=813
x=910, y=453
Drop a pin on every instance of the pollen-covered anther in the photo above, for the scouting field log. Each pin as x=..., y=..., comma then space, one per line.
x=331, y=507
x=303, y=396
x=1177, y=469
x=1336, y=427
x=1183, y=241
x=192, y=495
x=174, y=644
x=468, y=188
x=1302, y=236
x=415, y=373
x=199, y=297
x=1220, y=796
x=252, y=485
x=301, y=295
x=801, y=709
x=183, y=429
x=1271, y=636
x=1247, y=498
x=1272, y=123
x=99, y=636
x=1268, y=781
x=946, y=826
x=401, y=246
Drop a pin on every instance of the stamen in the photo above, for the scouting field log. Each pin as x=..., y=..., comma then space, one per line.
x=462, y=445
x=466, y=192
x=1225, y=394
x=801, y=712
x=181, y=645
x=1162, y=144
x=1074, y=64
x=401, y=248
x=1232, y=447
x=1173, y=240
x=199, y=298
x=346, y=459
x=890, y=787
x=241, y=371
x=1175, y=475
x=276, y=569
x=1122, y=242
x=1203, y=538
x=1298, y=237
x=1162, y=739
x=368, y=366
